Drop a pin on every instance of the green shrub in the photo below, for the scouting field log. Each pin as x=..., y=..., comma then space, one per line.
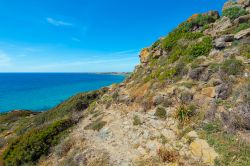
x=200, y=21
x=234, y=12
x=245, y=51
x=184, y=113
x=214, y=67
x=156, y=44
x=241, y=27
x=161, y=113
x=233, y=151
x=137, y=121
x=96, y=125
x=232, y=66
x=168, y=74
x=202, y=48
x=30, y=147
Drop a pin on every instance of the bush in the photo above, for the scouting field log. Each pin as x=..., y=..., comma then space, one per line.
x=184, y=113
x=234, y=12
x=245, y=51
x=96, y=125
x=161, y=113
x=232, y=66
x=167, y=155
x=136, y=121
x=31, y=146
x=198, y=20
x=202, y=48
x=241, y=27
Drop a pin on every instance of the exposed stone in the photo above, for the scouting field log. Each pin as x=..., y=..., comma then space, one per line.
x=209, y=92
x=243, y=33
x=213, y=13
x=223, y=91
x=244, y=3
x=157, y=53
x=195, y=73
x=192, y=134
x=219, y=26
x=144, y=55
x=202, y=150
x=169, y=134
x=242, y=116
x=242, y=19
x=230, y=4
x=222, y=41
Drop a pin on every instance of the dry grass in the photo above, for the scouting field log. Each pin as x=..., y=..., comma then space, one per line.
x=167, y=155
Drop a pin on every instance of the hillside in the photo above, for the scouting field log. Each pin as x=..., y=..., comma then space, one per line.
x=186, y=103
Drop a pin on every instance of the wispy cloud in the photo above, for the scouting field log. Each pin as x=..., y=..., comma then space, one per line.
x=4, y=59
x=58, y=22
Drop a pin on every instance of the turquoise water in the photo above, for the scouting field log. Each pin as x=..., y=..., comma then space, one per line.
x=39, y=92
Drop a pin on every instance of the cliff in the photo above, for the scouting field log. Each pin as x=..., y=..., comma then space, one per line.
x=186, y=103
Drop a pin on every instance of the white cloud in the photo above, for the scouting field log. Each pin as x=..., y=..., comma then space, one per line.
x=58, y=22
x=4, y=59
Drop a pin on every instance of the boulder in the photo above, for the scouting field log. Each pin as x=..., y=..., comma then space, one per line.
x=192, y=134
x=213, y=13
x=244, y=3
x=219, y=26
x=200, y=149
x=230, y=4
x=209, y=92
x=243, y=33
x=222, y=41
x=144, y=55
x=195, y=73
x=157, y=53
x=223, y=91
x=242, y=19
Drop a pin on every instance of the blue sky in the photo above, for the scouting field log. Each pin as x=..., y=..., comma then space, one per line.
x=86, y=35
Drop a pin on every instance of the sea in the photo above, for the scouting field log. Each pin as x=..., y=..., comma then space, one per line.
x=43, y=91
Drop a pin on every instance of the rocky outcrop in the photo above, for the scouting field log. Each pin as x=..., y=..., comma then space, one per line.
x=144, y=55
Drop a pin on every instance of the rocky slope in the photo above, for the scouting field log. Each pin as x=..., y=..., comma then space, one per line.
x=187, y=103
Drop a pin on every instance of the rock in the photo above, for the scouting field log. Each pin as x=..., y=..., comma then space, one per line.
x=192, y=134
x=202, y=150
x=230, y=4
x=219, y=26
x=195, y=73
x=222, y=41
x=215, y=82
x=157, y=53
x=242, y=116
x=144, y=55
x=209, y=92
x=104, y=133
x=242, y=19
x=223, y=91
x=213, y=13
x=244, y=3
x=158, y=99
x=169, y=134
x=242, y=34
x=124, y=98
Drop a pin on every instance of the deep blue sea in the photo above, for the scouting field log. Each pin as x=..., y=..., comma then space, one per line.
x=42, y=91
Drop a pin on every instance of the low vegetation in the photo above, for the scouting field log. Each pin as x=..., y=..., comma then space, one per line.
x=167, y=155
x=161, y=113
x=234, y=12
x=232, y=66
x=233, y=151
x=97, y=125
x=28, y=148
x=137, y=121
